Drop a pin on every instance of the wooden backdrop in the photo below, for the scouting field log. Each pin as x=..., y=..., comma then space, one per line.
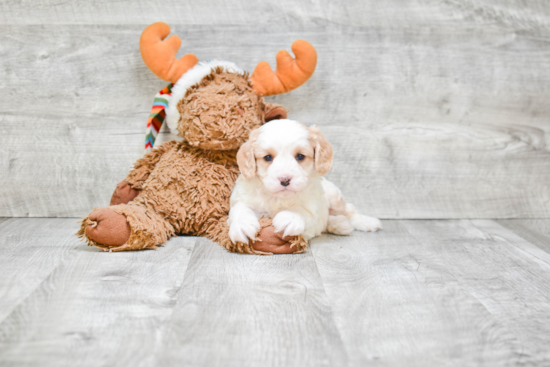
x=436, y=109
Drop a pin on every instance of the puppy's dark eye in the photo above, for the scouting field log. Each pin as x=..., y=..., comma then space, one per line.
x=268, y=158
x=300, y=157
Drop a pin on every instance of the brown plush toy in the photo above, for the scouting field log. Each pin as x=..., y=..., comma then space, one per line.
x=184, y=187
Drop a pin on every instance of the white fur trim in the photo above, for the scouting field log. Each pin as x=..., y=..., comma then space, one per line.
x=190, y=78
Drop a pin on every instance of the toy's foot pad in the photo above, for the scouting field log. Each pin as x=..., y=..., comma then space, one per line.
x=107, y=227
x=275, y=243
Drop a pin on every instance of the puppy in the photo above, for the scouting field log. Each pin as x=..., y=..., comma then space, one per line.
x=281, y=167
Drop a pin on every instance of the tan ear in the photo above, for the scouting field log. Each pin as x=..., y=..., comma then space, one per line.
x=274, y=112
x=245, y=157
x=323, y=151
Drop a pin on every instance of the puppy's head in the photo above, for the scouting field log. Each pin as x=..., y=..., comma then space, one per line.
x=284, y=155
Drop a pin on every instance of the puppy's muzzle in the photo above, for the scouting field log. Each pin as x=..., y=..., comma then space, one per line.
x=285, y=181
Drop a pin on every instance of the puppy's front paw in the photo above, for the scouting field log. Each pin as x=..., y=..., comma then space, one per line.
x=243, y=229
x=366, y=224
x=291, y=223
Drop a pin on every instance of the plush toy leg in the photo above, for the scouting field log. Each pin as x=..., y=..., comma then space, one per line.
x=125, y=227
x=106, y=227
x=267, y=242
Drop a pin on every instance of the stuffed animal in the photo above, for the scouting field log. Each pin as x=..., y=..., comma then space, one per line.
x=184, y=187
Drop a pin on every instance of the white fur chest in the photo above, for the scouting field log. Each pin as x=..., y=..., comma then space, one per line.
x=263, y=203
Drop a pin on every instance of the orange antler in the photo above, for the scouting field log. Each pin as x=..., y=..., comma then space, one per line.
x=159, y=54
x=290, y=73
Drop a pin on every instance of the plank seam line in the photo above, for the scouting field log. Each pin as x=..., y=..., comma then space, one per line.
x=71, y=253
x=330, y=304
x=544, y=258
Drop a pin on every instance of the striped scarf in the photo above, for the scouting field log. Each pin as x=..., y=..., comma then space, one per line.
x=157, y=117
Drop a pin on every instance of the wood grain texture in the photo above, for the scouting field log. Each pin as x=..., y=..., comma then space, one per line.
x=29, y=251
x=507, y=274
x=85, y=308
x=239, y=310
x=535, y=231
x=418, y=293
x=437, y=293
x=529, y=14
x=435, y=109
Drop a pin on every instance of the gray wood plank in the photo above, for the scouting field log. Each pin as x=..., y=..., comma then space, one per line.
x=460, y=292
x=530, y=14
x=69, y=170
x=415, y=115
x=437, y=293
x=396, y=304
x=92, y=307
x=535, y=231
x=30, y=249
x=507, y=274
x=239, y=310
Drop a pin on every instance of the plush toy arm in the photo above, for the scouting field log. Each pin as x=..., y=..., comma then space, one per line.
x=132, y=185
x=124, y=193
x=144, y=166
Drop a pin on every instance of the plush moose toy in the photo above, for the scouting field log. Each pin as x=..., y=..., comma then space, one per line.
x=184, y=187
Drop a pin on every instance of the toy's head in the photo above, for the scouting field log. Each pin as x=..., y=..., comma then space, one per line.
x=214, y=105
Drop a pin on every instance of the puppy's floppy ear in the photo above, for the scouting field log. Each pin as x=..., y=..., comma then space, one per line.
x=274, y=112
x=323, y=151
x=245, y=156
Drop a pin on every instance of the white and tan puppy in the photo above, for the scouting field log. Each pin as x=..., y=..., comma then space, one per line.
x=281, y=167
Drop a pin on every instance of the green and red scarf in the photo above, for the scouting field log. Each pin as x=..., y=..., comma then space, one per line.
x=157, y=117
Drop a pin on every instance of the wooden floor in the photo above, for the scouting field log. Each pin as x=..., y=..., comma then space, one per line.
x=419, y=293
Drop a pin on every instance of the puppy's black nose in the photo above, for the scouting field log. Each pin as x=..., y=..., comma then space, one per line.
x=285, y=181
